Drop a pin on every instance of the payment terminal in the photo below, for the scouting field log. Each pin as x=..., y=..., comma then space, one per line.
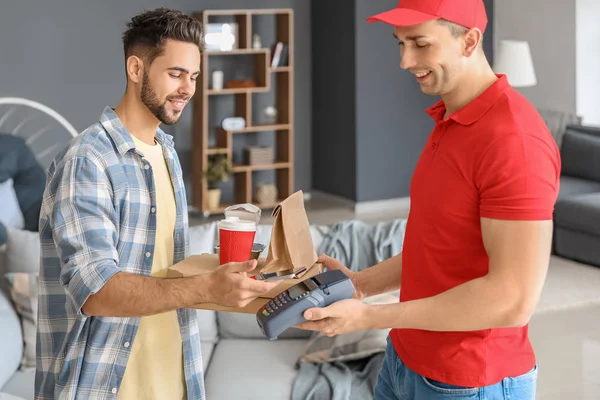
x=287, y=309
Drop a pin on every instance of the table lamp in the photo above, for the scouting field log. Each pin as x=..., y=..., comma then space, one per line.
x=513, y=58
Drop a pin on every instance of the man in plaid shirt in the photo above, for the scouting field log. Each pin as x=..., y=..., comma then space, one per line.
x=113, y=219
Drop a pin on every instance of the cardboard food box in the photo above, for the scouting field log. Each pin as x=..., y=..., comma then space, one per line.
x=291, y=247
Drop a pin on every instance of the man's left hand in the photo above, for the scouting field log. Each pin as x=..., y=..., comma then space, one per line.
x=341, y=317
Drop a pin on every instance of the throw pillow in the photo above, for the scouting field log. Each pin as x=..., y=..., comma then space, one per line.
x=22, y=251
x=22, y=260
x=24, y=293
x=557, y=121
x=10, y=212
x=18, y=162
x=349, y=346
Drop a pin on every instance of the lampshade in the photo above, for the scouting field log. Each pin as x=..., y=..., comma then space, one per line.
x=513, y=58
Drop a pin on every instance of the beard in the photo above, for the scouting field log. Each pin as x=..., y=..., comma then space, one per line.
x=158, y=109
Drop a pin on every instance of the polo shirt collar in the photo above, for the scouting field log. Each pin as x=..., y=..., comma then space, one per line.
x=121, y=136
x=476, y=108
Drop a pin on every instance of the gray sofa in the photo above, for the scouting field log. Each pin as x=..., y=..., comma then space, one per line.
x=577, y=212
x=237, y=357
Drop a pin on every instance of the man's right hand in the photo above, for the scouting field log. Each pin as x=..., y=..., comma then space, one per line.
x=230, y=285
x=332, y=263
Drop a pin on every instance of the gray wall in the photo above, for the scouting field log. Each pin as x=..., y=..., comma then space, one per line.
x=391, y=123
x=369, y=116
x=67, y=54
x=549, y=27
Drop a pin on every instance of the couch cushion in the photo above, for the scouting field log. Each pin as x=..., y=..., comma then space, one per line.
x=238, y=366
x=570, y=186
x=206, y=348
x=578, y=246
x=580, y=155
x=203, y=238
x=22, y=384
x=24, y=294
x=22, y=251
x=579, y=213
x=207, y=323
x=10, y=212
x=557, y=122
x=6, y=396
x=238, y=325
x=3, y=270
x=22, y=267
x=589, y=130
x=11, y=342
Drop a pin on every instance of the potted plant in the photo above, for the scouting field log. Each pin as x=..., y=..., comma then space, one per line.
x=218, y=170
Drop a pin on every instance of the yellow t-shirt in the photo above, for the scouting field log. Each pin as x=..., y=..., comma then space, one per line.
x=155, y=366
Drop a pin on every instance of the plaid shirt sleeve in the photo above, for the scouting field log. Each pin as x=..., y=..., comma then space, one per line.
x=84, y=228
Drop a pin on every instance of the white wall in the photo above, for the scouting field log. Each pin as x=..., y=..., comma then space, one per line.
x=588, y=60
x=549, y=27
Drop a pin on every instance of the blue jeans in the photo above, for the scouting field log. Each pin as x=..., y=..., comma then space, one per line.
x=397, y=382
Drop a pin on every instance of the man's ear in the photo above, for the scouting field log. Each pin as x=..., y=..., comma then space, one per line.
x=472, y=41
x=135, y=69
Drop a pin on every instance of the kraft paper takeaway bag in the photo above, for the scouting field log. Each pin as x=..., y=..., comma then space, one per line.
x=291, y=246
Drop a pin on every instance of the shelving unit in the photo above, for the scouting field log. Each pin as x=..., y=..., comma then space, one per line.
x=265, y=77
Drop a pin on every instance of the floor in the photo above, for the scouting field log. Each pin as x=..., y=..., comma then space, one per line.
x=566, y=342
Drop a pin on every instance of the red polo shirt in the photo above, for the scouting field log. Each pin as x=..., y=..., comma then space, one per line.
x=495, y=158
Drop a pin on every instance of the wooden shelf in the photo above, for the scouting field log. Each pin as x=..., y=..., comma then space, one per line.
x=259, y=11
x=263, y=128
x=237, y=91
x=237, y=52
x=263, y=74
x=260, y=167
x=214, y=151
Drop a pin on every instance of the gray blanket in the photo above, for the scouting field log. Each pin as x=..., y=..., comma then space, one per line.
x=346, y=367
x=359, y=245
x=354, y=380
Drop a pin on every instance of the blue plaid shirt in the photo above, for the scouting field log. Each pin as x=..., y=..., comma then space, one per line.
x=96, y=220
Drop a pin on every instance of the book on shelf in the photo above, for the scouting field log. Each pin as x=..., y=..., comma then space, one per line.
x=280, y=56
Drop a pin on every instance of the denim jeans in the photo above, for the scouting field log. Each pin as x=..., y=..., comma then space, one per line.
x=397, y=382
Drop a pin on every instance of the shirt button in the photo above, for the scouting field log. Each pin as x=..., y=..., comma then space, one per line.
x=148, y=254
x=153, y=209
x=146, y=166
x=126, y=344
x=114, y=390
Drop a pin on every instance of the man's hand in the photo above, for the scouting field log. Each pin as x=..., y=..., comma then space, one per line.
x=229, y=285
x=332, y=263
x=341, y=317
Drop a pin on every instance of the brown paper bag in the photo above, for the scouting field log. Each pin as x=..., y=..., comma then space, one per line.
x=291, y=246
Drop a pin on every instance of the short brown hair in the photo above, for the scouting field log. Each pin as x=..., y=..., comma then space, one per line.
x=147, y=32
x=456, y=30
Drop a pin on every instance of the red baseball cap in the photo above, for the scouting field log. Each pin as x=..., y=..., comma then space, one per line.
x=468, y=13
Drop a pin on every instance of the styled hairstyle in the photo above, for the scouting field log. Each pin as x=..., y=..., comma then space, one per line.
x=147, y=32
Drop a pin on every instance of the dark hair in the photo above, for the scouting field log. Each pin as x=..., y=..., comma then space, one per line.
x=146, y=32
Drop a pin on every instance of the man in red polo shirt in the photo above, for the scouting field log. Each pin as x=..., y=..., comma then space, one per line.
x=478, y=237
